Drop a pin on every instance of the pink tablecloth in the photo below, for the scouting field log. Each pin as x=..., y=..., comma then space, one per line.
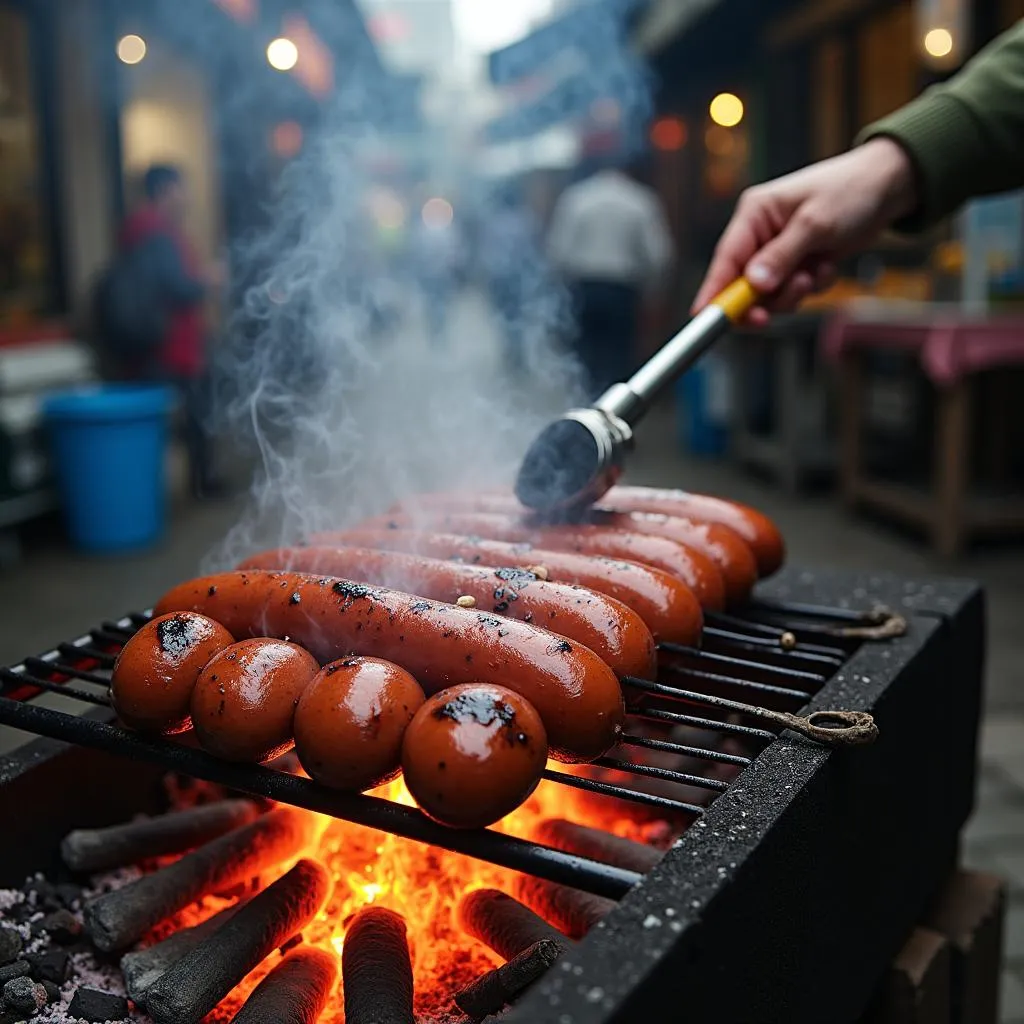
x=950, y=343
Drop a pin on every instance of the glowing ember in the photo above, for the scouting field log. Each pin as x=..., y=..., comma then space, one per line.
x=424, y=884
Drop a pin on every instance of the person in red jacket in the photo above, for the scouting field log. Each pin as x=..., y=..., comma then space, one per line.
x=153, y=241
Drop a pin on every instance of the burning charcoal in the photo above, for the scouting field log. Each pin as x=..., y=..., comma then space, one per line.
x=201, y=978
x=504, y=924
x=122, y=917
x=43, y=894
x=54, y=966
x=142, y=969
x=490, y=992
x=294, y=992
x=92, y=1005
x=376, y=970
x=62, y=926
x=23, y=995
x=570, y=910
x=598, y=845
x=10, y=945
x=101, y=849
x=52, y=992
x=18, y=969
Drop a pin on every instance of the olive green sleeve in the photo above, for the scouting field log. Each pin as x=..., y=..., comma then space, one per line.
x=966, y=136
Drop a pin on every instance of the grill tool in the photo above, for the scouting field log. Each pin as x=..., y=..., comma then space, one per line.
x=576, y=459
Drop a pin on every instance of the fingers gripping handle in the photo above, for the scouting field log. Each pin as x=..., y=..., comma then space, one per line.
x=736, y=300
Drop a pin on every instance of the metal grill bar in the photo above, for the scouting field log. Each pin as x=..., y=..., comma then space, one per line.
x=762, y=644
x=661, y=773
x=744, y=684
x=675, y=718
x=663, y=803
x=373, y=812
x=743, y=663
x=669, y=747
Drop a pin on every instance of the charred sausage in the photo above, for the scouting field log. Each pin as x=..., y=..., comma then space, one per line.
x=605, y=625
x=754, y=527
x=156, y=671
x=473, y=753
x=697, y=571
x=244, y=701
x=719, y=542
x=575, y=693
x=666, y=604
x=350, y=722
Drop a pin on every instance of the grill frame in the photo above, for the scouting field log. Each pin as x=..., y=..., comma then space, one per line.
x=715, y=955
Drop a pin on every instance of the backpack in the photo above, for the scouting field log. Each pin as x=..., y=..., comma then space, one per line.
x=130, y=315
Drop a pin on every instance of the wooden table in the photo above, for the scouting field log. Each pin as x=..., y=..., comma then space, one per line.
x=952, y=349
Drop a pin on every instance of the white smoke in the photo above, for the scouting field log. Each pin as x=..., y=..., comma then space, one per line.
x=346, y=419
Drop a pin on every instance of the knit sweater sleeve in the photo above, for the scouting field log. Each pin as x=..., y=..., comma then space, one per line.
x=966, y=136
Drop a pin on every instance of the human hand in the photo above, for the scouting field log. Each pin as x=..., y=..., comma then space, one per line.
x=788, y=235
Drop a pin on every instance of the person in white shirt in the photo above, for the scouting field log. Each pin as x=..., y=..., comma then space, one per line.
x=610, y=240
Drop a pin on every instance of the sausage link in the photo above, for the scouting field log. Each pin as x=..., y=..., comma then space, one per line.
x=576, y=694
x=610, y=629
x=697, y=571
x=754, y=527
x=667, y=606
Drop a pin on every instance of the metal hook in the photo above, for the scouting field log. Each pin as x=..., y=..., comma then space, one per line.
x=833, y=728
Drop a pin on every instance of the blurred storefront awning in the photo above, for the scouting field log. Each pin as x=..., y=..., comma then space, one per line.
x=664, y=20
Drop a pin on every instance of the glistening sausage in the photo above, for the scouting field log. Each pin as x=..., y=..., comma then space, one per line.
x=697, y=571
x=722, y=544
x=610, y=629
x=754, y=527
x=575, y=693
x=666, y=604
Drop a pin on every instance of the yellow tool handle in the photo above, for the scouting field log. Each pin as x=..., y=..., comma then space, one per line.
x=736, y=299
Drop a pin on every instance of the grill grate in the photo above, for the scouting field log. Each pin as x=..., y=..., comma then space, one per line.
x=779, y=655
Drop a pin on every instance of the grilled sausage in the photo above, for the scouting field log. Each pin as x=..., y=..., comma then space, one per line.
x=606, y=626
x=156, y=671
x=575, y=693
x=722, y=544
x=473, y=753
x=350, y=721
x=244, y=701
x=697, y=571
x=666, y=604
x=754, y=527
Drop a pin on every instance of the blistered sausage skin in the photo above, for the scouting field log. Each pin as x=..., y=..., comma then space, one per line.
x=697, y=571
x=667, y=606
x=722, y=544
x=576, y=694
x=610, y=629
x=754, y=527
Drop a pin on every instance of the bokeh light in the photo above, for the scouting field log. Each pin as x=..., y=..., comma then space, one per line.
x=726, y=109
x=282, y=54
x=131, y=49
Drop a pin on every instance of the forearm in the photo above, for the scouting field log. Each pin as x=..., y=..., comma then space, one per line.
x=965, y=137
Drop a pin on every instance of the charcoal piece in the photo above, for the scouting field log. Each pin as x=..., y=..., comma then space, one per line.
x=287, y=947
x=10, y=945
x=598, y=845
x=569, y=910
x=490, y=992
x=294, y=992
x=62, y=926
x=118, y=919
x=93, y=1005
x=505, y=924
x=376, y=969
x=143, y=968
x=45, y=893
x=104, y=848
x=52, y=992
x=53, y=965
x=203, y=977
x=69, y=894
x=18, y=969
x=25, y=996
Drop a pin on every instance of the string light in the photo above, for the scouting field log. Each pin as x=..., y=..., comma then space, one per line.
x=938, y=42
x=726, y=109
x=131, y=49
x=282, y=54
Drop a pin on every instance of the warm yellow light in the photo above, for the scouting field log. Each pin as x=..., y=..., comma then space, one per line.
x=938, y=42
x=437, y=213
x=282, y=54
x=726, y=110
x=131, y=49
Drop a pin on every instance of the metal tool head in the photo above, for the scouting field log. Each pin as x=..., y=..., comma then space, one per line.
x=574, y=461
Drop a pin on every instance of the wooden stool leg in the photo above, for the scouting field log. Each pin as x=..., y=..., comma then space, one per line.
x=851, y=423
x=951, y=464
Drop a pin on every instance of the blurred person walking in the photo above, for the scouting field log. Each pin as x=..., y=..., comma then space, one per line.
x=958, y=140
x=149, y=311
x=609, y=238
x=437, y=250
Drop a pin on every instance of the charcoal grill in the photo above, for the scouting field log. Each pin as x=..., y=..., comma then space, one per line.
x=795, y=883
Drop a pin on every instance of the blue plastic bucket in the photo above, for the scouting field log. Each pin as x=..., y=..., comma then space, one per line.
x=109, y=445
